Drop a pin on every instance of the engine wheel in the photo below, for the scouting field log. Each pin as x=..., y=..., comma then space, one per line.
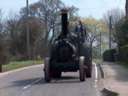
x=89, y=72
x=82, y=71
x=47, y=70
x=88, y=63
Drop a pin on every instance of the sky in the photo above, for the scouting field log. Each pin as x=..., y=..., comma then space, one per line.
x=87, y=8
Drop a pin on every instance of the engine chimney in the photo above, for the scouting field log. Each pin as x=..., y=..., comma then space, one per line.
x=64, y=22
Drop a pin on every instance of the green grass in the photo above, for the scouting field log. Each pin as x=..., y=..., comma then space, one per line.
x=20, y=64
x=97, y=61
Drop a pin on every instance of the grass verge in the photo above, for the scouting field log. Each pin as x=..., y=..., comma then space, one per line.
x=97, y=61
x=20, y=64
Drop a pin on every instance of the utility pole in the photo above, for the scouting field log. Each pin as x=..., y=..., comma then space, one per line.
x=126, y=8
x=27, y=30
x=100, y=45
x=110, y=31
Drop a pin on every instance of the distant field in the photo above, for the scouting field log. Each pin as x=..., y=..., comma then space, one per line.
x=19, y=64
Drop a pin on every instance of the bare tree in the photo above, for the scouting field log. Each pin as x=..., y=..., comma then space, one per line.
x=126, y=8
x=111, y=18
x=0, y=43
x=116, y=15
x=3, y=56
x=47, y=11
x=93, y=35
x=1, y=26
x=12, y=28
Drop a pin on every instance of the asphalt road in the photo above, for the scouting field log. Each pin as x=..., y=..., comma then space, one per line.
x=30, y=82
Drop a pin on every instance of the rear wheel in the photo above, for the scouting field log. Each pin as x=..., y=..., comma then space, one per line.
x=89, y=72
x=47, y=70
x=82, y=69
x=88, y=63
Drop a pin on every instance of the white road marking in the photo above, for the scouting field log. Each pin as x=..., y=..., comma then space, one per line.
x=96, y=72
x=96, y=79
x=28, y=86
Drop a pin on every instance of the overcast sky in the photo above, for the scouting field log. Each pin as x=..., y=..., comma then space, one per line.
x=86, y=7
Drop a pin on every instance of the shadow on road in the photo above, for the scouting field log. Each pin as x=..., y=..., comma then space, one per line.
x=36, y=81
x=66, y=80
x=28, y=81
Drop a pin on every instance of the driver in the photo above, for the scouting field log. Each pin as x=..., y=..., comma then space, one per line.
x=80, y=30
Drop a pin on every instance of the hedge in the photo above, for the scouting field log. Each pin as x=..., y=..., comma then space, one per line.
x=123, y=54
x=109, y=55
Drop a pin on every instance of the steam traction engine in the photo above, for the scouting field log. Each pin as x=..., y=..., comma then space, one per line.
x=67, y=54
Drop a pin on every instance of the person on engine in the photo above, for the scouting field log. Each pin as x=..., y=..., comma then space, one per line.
x=80, y=31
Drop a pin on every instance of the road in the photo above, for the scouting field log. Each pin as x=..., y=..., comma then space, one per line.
x=30, y=82
x=116, y=78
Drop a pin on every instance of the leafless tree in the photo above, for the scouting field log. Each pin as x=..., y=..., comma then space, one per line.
x=126, y=8
x=3, y=56
x=47, y=11
x=1, y=26
x=116, y=15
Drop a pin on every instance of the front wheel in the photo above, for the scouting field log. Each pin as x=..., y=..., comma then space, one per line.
x=47, y=70
x=82, y=68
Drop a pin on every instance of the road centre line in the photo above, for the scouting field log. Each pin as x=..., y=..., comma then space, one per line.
x=29, y=85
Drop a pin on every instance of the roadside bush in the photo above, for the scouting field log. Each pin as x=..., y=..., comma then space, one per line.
x=123, y=54
x=109, y=55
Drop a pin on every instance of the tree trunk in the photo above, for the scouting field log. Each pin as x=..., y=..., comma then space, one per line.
x=0, y=68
